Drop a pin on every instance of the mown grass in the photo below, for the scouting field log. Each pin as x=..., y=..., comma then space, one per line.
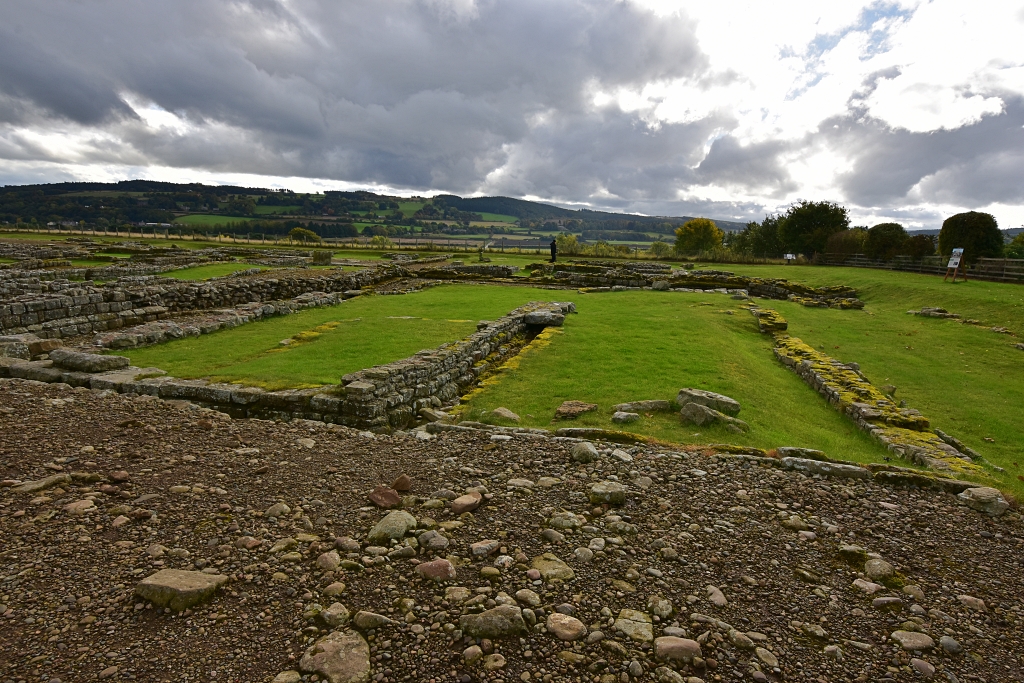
x=968, y=380
x=629, y=346
x=208, y=271
x=369, y=331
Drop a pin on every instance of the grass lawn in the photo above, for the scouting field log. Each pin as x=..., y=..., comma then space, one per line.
x=212, y=270
x=628, y=346
x=358, y=334
x=209, y=219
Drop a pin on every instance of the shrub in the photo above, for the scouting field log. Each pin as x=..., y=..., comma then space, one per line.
x=1015, y=249
x=381, y=242
x=885, y=240
x=659, y=249
x=698, y=234
x=975, y=232
x=567, y=244
x=847, y=242
x=806, y=227
x=919, y=246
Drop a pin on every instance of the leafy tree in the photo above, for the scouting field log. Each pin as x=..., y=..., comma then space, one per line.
x=698, y=234
x=806, y=227
x=847, y=242
x=885, y=240
x=567, y=244
x=1015, y=249
x=919, y=246
x=976, y=233
x=757, y=239
x=241, y=206
x=659, y=249
x=303, y=235
x=382, y=242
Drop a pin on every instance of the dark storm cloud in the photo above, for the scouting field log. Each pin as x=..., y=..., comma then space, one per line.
x=448, y=95
x=973, y=165
x=422, y=95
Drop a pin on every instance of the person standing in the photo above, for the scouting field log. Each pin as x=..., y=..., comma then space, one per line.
x=554, y=250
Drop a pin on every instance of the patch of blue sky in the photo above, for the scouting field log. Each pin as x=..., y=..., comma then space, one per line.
x=875, y=20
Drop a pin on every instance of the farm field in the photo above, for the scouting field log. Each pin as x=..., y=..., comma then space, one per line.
x=211, y=219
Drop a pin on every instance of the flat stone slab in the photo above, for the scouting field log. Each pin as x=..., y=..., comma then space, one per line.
x=340, y=657
x=550, y=567
x=87, y=362
x=643, y=407
x=570, y=410
x=830, y=469
x=636, y=625
x=178, y=589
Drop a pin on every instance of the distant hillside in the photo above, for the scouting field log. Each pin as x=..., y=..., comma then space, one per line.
x=527, y=210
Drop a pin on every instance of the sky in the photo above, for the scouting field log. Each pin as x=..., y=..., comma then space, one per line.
x=904, y=111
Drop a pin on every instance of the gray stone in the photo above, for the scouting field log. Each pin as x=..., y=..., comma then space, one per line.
x=950, y=645
x=635, y=624
x=178, y=589
x=505, y=414
x=277, y=510
x=700, y=415
x=795, y=452
x=643, y=407
x=340, y=657
x=550, y=568
x=722, y=404
x=622, y=417
x=545, y=317
x=985, y=499
x=335, y=615
x=829, y=469
x=912, y=640
x=584, y=452
x=43, y=484
x=87, y=362
x=498, y=622
x=394, y=526
x=432, y=540
x=879, y=570
x=611, y=492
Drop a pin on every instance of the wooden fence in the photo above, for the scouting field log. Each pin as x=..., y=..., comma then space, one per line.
x=994, y=269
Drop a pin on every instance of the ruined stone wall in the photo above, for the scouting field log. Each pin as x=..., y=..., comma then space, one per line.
x=61, y=309
x=381, y=398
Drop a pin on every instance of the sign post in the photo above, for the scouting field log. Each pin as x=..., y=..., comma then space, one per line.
x=954, y=265
x=790, y=258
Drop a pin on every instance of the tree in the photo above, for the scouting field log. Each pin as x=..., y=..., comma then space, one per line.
x=806, y=227
x=1015, y=249
x=567, y=244
x=303, y=235
x=698, y=234
x=759, y=239
x=659, y=249
x=919, y=246
x=885, y=240
x=976, y=233
x=847, y=242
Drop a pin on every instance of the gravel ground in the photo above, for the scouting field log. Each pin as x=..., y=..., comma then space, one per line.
x=699, y=551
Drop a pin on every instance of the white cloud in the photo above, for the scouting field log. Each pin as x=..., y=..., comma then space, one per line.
x=908, y=109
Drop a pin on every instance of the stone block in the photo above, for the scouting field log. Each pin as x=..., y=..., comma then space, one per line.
x=178, y=589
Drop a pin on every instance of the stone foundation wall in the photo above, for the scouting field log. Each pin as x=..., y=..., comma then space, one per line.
x=62, y=309
x=380, y=399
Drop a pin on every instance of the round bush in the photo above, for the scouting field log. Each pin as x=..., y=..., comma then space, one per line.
x=885, y=240
x=975, y=232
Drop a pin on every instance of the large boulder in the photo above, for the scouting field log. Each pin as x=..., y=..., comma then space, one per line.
x=984, y=499
x=178, y=589
x=340, y=657
x=722, y=404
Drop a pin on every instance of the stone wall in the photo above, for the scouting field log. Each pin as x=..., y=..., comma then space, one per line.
x=61, y=309
x=380, y=399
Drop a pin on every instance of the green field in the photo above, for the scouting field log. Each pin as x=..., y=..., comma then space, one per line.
x=212, y=270
x=366, y=331
x=271, y=210
x=498, y=218
x=211, y=219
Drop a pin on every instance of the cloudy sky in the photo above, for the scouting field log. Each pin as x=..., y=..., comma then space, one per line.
x=907, y=110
